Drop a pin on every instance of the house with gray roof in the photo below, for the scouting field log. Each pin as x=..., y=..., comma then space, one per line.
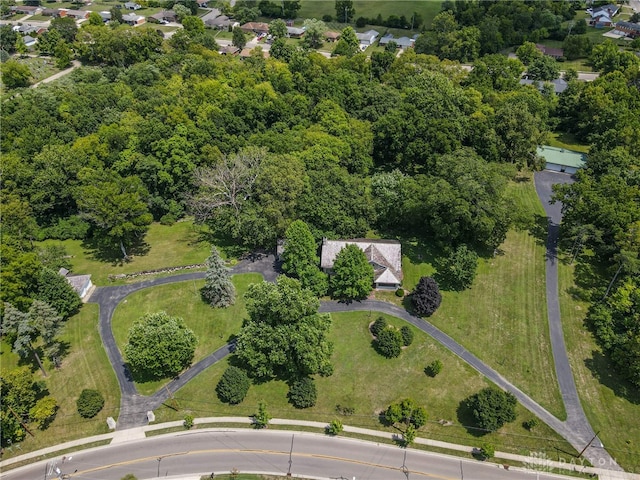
x=133, y=19
x=29, y=41
x=81, y=283
x=132, y=6
x=221, y=22
x=631, y=29
x=384, y=255
x=559, y=84
x=367, y=38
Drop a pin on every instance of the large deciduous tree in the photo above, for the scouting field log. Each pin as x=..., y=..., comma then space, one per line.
x=218, y=290
x=284, y=335
x=159, y=346
x=313, y=33
x=352, y=277
x=492, y=408
x=345, y=10
x=117, y=208
x=239, y=39
x=299, y=250
x=459, y=268
x=348, y=45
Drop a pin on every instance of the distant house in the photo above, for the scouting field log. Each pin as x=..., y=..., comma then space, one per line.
x=50, y=12
x=561, y=159
x=294, y=32
x=631, y=29
x=28, y=9
x=402, y=42
x=81, y=283
x=106, y=16
x=132, y=6
x=387, y=39
x=164, y=16
x=229, y=50
x=550, y=51
x=29, y=41
x=255, y=27
x=27, y=29
x=331, y=36
x=202, y=3
x=133, y=19
x=603, y=16
x=221, y=23
x=367, y=38
x=248, y=52
x=384, y=255
x=77, y=14
x=559, y=84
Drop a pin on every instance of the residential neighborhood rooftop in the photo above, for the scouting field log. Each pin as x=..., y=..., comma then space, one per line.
x=562, y=156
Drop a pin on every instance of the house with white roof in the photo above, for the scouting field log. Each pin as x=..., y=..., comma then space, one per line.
x=385, y=256
x=367, y=38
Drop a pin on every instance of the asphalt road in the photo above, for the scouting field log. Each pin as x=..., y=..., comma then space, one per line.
x=206, y=451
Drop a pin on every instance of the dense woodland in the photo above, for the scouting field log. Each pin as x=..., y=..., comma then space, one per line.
x=410, y=147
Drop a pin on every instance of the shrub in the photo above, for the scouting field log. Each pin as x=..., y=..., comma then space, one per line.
x=303, y=393
x=487, y=451
x=389, y=343
x=188, y=422
x=492, y=408
x=327, y=18
x=43, y=412
x=261, y=417
x=531, y=423
x=168, y=219
x=89, y=403
x=434, y=368
x=400, y=292
x=233, y=385
x=426, y=297
x=345, y=410
x=377, y=326
x=361, y=22
x=407, y=335
x=335, y=427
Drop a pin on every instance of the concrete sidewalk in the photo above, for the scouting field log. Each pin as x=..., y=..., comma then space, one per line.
x=136, y=434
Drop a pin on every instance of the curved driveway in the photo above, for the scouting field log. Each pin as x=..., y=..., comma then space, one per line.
x=576, y=429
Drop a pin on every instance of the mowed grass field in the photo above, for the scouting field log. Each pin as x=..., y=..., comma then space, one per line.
x=613, y=412
x=168, y=246
x=85, y=366
x=371, y=8
x=368, y=383
x=213, y=327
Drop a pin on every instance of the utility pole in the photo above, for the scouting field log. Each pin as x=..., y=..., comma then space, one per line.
x=20, y=420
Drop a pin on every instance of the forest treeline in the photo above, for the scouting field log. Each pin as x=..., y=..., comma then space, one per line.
x=411, y=146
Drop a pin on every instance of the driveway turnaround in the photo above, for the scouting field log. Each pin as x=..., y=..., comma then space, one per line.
x=576, y=429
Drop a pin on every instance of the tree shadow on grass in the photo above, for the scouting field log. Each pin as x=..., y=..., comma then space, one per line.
x=418, y=251
x=602, y=369
x=466, y=419
x=539, y=229
x=98, y=251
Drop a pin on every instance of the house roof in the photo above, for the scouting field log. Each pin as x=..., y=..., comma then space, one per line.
x=332, y=35
x=105, y=15
x=605, y=9
x=562, y=156
x=164, y=15
x=384, y=255
x=131, y=17
x=75, y=13
x=295, y=31
x=629, y=26
x=369, y=35
x=28, y=40
x=386, y=39
x=79, y=282
x=221, y=20
x=49, y=11
x=132, y=5
x=559, y=84
x=259, y=26
x=404, y=42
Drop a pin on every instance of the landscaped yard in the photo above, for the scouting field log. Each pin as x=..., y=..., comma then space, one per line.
x=612, y=411
x=213, y=327
x=168, y=246
x=371, y=8
x=367, y=382
x=85, y=366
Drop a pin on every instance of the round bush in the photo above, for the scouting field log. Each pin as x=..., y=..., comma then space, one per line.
x=303, y=393
x=327, y=18
x=233, y=385
x=407, y=335
x=389, y=343
x=89, y=403
x=379, y=325
x=400, y=292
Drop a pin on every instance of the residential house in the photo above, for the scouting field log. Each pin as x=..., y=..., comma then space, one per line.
x=559, y=84
x=221, y=22
x=550, y=51
x=631, y=29
x=202, y=3
x=255, y=27
x=603, y=16
x=229, y=50
x=561, y=159
x=29, y=41
x=210, y=15
x=50, y=12
x=294, y=32
x=384, y=255
x=133, y=19
x=367, y=38
x=75, y=14
x=132, y=6
x=28, y=9
x=405, y=42
x=331, y=36
x=163, y=16
x=106, y=16
x=81, y=283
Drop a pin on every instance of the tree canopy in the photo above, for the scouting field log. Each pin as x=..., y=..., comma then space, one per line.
x=284, y=336
x=352, y=277
x=492, y=408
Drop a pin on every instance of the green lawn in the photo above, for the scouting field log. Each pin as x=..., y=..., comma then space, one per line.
x=371, y=8
x=40, y=68
x=610, y=411
x=213, y=327
x=368, y=383
x=568, y=141
x=85, y=366
x=168, y=246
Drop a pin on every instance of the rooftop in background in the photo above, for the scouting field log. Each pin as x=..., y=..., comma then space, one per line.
x=562, y=156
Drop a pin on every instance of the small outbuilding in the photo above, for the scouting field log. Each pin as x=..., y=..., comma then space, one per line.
x=561, y=159
x=81, y=283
